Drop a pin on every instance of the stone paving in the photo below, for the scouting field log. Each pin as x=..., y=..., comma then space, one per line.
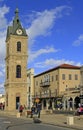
x=55, y=119
x=62, y=120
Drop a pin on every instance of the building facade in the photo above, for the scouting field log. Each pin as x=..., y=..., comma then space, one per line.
x=30, y=88
x=58, y=86
x=16, y=65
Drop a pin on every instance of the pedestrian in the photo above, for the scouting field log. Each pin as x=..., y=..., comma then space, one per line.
x=21, y=110
x=33, y=108
x=38, y=109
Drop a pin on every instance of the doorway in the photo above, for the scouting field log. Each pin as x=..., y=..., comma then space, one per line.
x=77, y=101
x=17, y=102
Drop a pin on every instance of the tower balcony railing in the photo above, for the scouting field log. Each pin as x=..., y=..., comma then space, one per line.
x=45, y=84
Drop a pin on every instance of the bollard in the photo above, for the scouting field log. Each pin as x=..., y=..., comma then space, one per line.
x=18, y=115
x=70, y=120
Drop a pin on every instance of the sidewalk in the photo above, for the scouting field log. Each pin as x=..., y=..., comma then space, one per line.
x=61, y=120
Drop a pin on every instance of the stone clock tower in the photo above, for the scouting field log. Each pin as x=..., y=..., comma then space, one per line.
x=16, y=65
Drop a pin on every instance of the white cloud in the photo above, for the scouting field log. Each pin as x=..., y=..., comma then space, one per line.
x=1, y=74
x=79, y=41
x=1, y=85
x=2, y=48
x=35, y=54
x=53, y=63
x=44, y=22
x=2, y=88
x=2, y=69
x=3, y=24
x=3, y=21
x=1, y=0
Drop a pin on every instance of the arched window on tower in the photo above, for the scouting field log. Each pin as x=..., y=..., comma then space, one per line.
x=18, y=71
x=19, y=46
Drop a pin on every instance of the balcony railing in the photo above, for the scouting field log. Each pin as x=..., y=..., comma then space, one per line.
x=46, y=95
x=45, y=84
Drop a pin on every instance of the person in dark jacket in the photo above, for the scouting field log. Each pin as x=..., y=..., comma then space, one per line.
x=38, y=109
x=32, y=110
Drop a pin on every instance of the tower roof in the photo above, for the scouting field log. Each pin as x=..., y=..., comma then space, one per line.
x=62, y=66
x=16, y=25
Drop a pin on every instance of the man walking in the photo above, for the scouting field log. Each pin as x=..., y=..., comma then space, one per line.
x=38, y=109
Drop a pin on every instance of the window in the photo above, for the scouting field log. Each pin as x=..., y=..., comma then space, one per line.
x=18, y=71
x=56, y=77
x=70, y=77
x=7, y=72
x=76, y=77
x=19, y=46
x=29, y=89
x=6, y=99
x=63, y=76
x=52, y=78
x=46, y=78
x=36, y=83
x=8, y=49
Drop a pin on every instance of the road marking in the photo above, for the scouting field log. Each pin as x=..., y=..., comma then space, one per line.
x=6, y=122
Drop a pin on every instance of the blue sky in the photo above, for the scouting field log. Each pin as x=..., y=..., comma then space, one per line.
x=55, y=30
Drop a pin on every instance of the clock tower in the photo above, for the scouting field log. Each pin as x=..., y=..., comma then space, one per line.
x=16, y=65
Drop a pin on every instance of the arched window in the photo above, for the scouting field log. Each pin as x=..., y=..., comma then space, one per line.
x=19, y=46
x=18, y=71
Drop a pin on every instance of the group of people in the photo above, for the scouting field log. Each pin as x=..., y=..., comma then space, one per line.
x=36, y=109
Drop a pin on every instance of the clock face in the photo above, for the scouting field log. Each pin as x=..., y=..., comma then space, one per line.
x=19, y=31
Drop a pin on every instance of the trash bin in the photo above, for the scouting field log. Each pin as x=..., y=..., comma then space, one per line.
x=70, y=120
x=28, y=114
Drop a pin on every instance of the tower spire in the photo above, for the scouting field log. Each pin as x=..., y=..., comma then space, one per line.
x=16, y=12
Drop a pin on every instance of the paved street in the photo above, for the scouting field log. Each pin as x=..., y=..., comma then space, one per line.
x=37, y=127
x=20, y=124
x=55, y=119
x=10, y=122
x=61, y=120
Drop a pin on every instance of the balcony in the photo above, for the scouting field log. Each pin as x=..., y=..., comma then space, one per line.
x=45, y=84
x=72, y=90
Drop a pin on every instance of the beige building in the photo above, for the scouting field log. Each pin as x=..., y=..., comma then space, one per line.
x=16, y=65
x=30, y=87
x=58, y=85
x=2, y=98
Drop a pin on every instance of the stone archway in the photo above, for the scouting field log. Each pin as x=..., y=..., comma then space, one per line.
x=77, y=101
x=44, y=103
